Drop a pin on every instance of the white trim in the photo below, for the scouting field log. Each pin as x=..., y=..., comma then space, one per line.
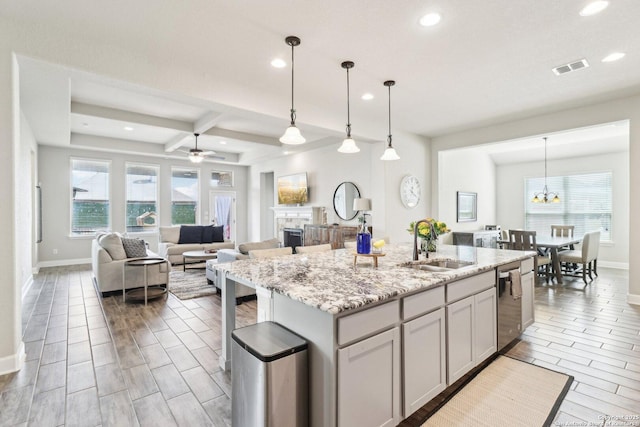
x=27, y=286
x=633, y=299
x=612, y=264
x=62, y=262
x=14, y=362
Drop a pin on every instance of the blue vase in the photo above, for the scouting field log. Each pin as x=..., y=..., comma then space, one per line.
x=363, y=242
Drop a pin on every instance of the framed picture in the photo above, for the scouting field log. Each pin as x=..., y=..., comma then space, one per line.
x=222, y=179
x=467, y=207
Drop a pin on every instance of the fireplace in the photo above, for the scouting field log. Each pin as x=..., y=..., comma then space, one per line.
x=293, y=237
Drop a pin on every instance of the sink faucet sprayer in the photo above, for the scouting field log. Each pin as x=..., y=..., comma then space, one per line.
x=432, y=235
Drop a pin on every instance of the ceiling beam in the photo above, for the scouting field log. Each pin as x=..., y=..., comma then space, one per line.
x=129, y=116
x=177, y=142
x=242, y=136
x=207, y=121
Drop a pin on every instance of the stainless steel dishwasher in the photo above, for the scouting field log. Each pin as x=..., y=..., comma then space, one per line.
x=509, y=305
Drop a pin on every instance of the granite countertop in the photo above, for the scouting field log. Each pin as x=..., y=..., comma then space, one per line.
x=330, y=282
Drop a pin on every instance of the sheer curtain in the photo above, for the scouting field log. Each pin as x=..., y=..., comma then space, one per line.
x=223, y=214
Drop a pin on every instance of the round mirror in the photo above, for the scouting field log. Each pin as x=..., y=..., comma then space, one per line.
x=343, y=200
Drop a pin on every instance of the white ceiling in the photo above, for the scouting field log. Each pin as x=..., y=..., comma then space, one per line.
x=487, y=62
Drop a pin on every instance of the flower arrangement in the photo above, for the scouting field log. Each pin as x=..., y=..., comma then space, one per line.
x=424, y=229
x=424, y=232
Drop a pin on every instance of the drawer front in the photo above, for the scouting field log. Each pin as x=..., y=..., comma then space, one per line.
x=526, y=265
x=423, y=302
x=471, y=285
x=368, y=321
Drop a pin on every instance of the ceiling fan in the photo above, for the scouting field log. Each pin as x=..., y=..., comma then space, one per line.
x=196, y=155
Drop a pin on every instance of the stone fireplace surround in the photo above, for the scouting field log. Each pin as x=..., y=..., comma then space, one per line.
x=295, y=217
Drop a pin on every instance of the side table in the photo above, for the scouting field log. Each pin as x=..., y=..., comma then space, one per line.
x=144, y=263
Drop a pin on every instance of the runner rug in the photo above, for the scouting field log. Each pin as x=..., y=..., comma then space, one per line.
x=507, y=393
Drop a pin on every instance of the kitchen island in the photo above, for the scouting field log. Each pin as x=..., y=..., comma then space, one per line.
x=382, y=341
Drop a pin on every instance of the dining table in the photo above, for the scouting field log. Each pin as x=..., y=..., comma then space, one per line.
x=553, y=244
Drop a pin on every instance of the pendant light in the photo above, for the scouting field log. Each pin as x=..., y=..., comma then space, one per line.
x=390, y=152
x=545, y=196
x=348, y=145
x=292, y=135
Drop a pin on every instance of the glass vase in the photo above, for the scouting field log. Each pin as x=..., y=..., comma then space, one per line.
x=429, y=245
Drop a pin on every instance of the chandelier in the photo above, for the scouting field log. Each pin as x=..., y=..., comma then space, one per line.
x=545, y=196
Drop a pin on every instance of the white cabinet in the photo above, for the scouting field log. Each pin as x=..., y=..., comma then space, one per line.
x=471, y=332
x=528, y=289
x=486, y=324
x=424, y=359
x=369, y=381
x=460, y=351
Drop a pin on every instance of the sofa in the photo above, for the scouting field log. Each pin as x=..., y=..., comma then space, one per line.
x=230, y=255
x=109, y=252
x=178, y=239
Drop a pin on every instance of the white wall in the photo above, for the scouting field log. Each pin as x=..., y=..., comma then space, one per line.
x=510, y=180
x=469, y=171
x=56, y=194
x=376, y=179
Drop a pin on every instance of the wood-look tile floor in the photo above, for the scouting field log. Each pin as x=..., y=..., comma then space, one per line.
x=97, y=361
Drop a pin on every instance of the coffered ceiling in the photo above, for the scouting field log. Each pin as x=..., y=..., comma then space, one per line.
x=486, y=62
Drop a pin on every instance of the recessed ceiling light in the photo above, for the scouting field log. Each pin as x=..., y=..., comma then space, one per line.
x=594, y=7
x=613, y=57
x=278, y=63
x=430, y=19
x=223, y=142
x=367, y=96
x=285, y=152
x=129, y=128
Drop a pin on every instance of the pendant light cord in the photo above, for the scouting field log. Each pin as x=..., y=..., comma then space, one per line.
x=389, y=136
x=545, y=164
x=348, y=108
x=293, y=111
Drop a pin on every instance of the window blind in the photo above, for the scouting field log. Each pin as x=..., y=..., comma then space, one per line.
x=585, y=202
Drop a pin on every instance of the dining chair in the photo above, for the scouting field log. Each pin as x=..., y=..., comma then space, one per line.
x=315, y=248
x=270, y=253
x=350, y=245
x=525, y=240
x=587, y=256
x=562, y=230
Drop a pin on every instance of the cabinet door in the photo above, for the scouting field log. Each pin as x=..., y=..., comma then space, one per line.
x=528, y=289
x=369, y=381
x=486, y=332
x=460, y=353
x=424, y=360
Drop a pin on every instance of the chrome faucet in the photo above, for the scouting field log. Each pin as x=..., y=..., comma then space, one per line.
x=432, y=234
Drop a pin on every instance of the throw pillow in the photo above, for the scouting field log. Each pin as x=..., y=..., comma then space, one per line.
x=170, y=234
x=134, y=248
x=112, y=243
x=190, y=234
x=213, y=233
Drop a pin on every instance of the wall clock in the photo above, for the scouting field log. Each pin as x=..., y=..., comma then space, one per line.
x=410, y=191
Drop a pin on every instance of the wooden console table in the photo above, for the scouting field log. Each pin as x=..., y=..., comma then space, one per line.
x=318, y=234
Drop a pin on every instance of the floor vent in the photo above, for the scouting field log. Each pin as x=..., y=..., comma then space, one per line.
x=573, y=66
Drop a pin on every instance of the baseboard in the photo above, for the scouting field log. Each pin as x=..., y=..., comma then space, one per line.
x=617, y=265
x=27, y=286
x=14, y=362
x=633, y=299
x=63, y=262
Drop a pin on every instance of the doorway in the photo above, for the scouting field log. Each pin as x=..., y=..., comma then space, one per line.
x=222, y=205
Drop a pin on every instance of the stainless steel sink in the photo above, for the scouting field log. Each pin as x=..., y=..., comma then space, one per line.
x=437, y=264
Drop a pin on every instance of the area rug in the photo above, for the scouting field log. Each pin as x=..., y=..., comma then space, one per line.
x=507, y=393
x=189, y=284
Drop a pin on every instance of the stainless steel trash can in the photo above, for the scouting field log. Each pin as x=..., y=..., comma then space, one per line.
x=269, y=377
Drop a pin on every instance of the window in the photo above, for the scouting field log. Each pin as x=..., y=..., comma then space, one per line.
x=89, y=196
x=222, y=179
x=184, y=196
x=142, y=197
x=585, y=202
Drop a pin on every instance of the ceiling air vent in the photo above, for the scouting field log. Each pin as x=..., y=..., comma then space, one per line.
x=573, y=66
